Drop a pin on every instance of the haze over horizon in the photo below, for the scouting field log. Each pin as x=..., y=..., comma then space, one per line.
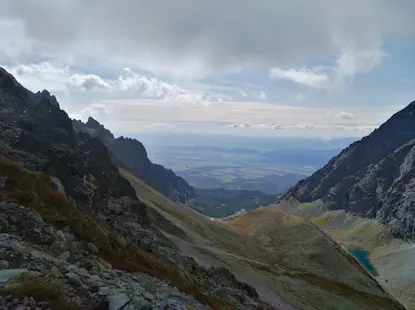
x=325, y=69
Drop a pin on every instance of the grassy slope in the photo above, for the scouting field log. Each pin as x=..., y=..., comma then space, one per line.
x=392, y=258
x=288, y=260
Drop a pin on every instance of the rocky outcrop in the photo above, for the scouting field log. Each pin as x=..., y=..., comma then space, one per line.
x=373, y=177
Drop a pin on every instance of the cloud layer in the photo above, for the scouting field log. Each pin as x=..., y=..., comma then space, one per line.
x=232, y=115
x=128, y=82
x=197, y=35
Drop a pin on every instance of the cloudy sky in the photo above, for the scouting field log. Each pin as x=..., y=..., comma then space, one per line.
x=264, y=67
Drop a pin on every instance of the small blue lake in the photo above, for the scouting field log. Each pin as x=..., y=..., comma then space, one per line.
x=363, y=257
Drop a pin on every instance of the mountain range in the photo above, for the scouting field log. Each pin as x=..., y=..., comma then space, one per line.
x=365, y=198
x=374, y=177
x=85, y=227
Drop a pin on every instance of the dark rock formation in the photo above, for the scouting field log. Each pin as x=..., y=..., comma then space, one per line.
x=373, y=177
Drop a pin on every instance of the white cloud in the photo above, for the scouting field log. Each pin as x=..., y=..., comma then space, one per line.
x=300, y=96
x=89, y=82
x=242, y=125
x=241, y=115
x=242, y=93
x=45, y=75
x=351, y=62
x=277, y=127
x=307, y=77
x=40, y=76
x=96, y=110
x=355, y=128
x=198, y=36
x=261, y=95
x=340, y=115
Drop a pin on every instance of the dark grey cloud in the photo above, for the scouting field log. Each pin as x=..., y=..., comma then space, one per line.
x=216, y=33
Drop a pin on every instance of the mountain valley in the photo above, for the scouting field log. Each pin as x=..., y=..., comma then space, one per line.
x=79, y=229
x=364, y=198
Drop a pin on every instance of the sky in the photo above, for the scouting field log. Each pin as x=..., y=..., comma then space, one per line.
x=266, y=68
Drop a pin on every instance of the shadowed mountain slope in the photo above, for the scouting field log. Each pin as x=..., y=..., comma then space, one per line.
x=373, y=177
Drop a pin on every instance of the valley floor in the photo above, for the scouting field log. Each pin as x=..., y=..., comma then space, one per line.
x=291, y=263
x=392, y=258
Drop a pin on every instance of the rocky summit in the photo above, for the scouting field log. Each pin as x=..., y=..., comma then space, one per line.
x=373, y=177
x=79, y=229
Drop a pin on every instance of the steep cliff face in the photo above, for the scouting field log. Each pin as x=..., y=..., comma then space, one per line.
x=373, y=177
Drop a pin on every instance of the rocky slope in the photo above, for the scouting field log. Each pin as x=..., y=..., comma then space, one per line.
x=131, y=154
x=71, y=225
x=76, y=232
x=374, y=177
x=290, y=263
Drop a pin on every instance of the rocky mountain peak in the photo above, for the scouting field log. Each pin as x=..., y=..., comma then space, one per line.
x=94, y=129
x=9, y=83
x=44, y=95
x=93, y=123
x=366, y=177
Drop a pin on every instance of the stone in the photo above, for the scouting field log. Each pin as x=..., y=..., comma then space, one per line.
x=7, y=274
x=60, y=238
x=121, y=240
x=55, y=271
x=61, y=265
x=4, y=264
x=21, y=248
x=94, y=278
x=105, y=264
x=42, y=255
x=148, y=296
x=65, y=255
x=74, y=278
x=93, y=248
x=57, y=185
x=117, y=301
x=138, y=290
x=32, y=303
x=3, y=180
x=103, y=291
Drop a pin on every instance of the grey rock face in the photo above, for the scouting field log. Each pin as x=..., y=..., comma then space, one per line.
x=93, y=248
x=7, y=274
x=4, y=264
x=373, y=177
x=74, y=279
x=118, y=301
x=65, y=255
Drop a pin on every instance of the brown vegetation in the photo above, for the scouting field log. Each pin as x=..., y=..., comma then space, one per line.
x=34, y=190
x=41, y=290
